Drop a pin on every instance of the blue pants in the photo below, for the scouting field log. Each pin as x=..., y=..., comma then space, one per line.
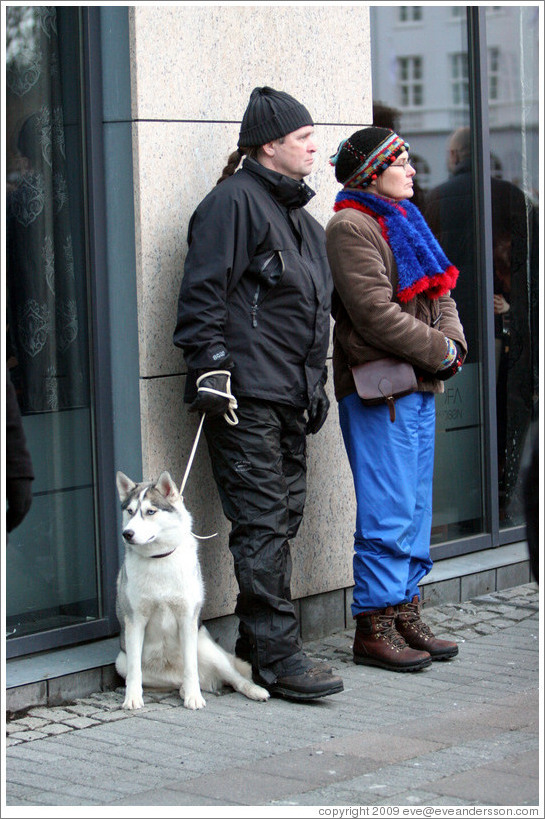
x=392, y=466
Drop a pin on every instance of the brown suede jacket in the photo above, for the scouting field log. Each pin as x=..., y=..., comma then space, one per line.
x=370, y=322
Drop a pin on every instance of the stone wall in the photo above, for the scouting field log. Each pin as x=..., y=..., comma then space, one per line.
x=193, y=69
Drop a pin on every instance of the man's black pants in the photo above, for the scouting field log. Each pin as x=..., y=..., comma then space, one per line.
x=260, y=470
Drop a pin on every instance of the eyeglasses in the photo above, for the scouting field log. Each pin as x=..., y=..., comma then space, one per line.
x=402, y=164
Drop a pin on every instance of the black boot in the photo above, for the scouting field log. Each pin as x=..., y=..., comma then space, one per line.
x=310, y=684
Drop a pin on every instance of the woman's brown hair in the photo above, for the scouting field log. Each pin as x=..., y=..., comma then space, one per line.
x=233, y=161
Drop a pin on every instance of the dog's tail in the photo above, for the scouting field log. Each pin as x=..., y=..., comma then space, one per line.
x=217, y=666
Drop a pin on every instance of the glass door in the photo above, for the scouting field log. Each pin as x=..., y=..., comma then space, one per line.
x=512, y=34
x=427, y=85
x=52, y=565
x=421, y=89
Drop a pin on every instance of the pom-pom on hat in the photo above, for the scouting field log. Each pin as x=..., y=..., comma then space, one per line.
x=365, y=155
x=270, y=115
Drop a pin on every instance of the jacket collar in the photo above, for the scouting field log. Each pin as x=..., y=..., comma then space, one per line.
x=291, y=193
x=462, y=167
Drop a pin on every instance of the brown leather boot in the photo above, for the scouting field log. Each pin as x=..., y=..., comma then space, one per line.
x=378, y=643
x=418, y=635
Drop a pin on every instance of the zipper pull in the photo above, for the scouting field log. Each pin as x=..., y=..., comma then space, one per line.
x=255, y=306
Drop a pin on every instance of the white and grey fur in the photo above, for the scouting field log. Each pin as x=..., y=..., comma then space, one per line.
x=160, y=593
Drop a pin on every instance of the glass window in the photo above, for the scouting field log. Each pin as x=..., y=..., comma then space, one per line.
x=441, y=133
x=422, y=168
x=51, y=558
x=459, y=79
x=493, y=73
x=407, y=13
x=444, y=193
x=515, y=199
x=410, y=89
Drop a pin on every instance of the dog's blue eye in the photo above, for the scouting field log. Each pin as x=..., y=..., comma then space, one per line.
x=151, y=511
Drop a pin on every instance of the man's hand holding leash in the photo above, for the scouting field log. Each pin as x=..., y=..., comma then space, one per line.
x=214, y=396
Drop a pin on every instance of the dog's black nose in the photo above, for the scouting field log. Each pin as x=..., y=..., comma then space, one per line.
x=128, y=534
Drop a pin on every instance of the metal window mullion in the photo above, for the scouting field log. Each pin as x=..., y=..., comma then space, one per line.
x=98, y=272
x=478, y=90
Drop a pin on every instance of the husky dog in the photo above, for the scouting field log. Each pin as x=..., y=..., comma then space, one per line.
x=160, y=594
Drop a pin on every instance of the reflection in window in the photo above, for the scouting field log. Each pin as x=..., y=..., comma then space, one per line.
x=422, y=169
x=514, y=140
x=459, y=79
x=458, y=499
x=439, y=132
x=47, y=322
x=410, y=81
x=407, y=13
x=493, y=73
x=495, y=166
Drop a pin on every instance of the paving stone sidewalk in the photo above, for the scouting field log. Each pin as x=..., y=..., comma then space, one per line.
x=388, y=739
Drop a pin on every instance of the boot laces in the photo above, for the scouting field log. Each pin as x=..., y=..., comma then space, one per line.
x=414, y=621
x=388, y=630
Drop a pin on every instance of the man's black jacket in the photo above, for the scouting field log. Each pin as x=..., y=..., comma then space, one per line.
x=256, y=290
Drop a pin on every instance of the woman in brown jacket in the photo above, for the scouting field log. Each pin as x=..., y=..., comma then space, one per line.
x=392, y=299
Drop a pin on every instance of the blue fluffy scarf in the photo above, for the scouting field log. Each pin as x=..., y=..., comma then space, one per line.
x=421, y=263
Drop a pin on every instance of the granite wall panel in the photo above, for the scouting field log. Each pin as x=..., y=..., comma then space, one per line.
x=192, y=71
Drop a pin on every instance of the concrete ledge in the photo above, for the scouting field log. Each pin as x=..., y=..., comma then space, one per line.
x=475, y=562
x=457, y=579
x=59, y=676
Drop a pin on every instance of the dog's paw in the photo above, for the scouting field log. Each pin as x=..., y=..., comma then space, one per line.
x=255, y=692
x=133, y=701
x=260, y=694
x=194, y=701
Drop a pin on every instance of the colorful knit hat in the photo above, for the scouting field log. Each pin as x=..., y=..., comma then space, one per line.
x=365, y=155
x=270, y=115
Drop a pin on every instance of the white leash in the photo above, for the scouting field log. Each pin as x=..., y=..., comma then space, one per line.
x=192, y=455
x=230, y=417
x=187, y=470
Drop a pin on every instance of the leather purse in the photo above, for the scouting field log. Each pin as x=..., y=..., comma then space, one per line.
x=384, y=380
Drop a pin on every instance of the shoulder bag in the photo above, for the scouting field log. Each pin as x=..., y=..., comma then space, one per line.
x=384, y=380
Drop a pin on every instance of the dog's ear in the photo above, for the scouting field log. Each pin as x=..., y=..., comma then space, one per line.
x=166, y=486
x=124, y=486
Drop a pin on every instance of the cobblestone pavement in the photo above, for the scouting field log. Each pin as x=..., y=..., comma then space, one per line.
x=497, y=669
x=460, y=621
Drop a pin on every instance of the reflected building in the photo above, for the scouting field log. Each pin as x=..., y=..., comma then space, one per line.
x=421, y=69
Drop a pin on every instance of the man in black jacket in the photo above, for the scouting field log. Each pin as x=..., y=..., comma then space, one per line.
x=253, y=323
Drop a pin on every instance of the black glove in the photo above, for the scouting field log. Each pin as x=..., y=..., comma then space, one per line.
x=317, y=409
x=214, y=395
x=19, y=497
x=452, y=369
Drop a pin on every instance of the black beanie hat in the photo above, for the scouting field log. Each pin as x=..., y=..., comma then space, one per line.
x=366, y=154
x=270, y=115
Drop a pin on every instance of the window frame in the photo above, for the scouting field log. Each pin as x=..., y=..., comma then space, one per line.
x=493, y=536
x=95, y=207
x=459, y=79
x=413, y=14
x=412, y=82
